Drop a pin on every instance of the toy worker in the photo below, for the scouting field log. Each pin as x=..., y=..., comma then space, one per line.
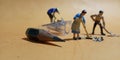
x=97, y=18
x=51, y=13
x=76, y=24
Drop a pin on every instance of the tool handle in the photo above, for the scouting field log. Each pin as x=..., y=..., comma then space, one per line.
x=85, y=28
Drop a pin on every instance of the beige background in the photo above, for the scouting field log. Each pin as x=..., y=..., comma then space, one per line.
x=17, y=15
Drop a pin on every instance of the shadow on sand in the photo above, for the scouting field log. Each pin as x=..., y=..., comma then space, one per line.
x=42, y=42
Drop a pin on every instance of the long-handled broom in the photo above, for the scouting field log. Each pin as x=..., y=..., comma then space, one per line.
x=88, y=37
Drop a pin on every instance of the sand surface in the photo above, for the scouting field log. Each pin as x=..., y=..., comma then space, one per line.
x=18, y=15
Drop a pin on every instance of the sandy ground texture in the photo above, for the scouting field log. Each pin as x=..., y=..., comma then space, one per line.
x=18, y=15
